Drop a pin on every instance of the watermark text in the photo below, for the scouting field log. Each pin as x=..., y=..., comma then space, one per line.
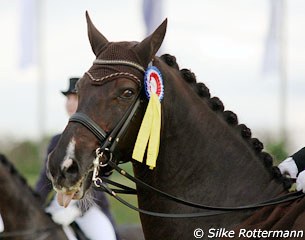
x=245, y=233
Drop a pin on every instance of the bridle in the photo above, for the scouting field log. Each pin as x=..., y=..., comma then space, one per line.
x=109, y=141
x=107, y=149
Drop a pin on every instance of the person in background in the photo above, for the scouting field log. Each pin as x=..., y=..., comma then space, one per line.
x=294, y=166
x=96, y=222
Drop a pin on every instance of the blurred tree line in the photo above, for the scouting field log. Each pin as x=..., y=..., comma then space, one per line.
x=26, y=155
x=278, y=150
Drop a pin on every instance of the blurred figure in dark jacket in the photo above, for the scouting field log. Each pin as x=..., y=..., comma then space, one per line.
x=95, y=222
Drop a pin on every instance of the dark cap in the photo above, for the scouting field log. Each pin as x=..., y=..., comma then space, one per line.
x=71, y=89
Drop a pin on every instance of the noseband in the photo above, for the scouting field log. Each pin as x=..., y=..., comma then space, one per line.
x=108, y=141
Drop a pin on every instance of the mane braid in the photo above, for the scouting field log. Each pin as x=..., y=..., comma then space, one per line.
x=230, y=118
x=12, y=169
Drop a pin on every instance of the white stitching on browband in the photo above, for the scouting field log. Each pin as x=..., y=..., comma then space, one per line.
x=113, y=75
x=118, y=62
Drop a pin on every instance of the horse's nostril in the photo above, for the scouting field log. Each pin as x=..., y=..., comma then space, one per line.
x=73, y=169
x=70, y=168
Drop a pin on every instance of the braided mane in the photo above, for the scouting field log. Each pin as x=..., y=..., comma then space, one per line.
x=14, y=172
x=230, y=118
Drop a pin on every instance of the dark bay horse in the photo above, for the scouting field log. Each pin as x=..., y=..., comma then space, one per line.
x=21, y=209
x=205, y=155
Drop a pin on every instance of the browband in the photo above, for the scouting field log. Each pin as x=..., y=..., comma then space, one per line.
x=119, y=62
x=113, y=75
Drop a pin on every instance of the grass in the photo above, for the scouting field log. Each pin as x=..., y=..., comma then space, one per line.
x=122, y=214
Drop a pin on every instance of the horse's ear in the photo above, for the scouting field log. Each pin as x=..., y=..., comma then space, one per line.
x=150, y=45
x=97, y=40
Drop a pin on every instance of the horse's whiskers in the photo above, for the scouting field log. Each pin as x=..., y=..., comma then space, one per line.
x=88, y=201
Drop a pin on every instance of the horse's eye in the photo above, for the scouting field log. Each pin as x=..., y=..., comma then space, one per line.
x=127, y=93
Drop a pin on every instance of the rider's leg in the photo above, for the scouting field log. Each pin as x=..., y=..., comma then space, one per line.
x=69, y=232
x=96, y=225
x=1, y=224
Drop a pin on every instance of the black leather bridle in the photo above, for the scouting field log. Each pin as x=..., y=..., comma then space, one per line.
x=108, y=146
x=109, y=141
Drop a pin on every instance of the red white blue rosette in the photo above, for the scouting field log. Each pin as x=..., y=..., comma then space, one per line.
x=153, y=82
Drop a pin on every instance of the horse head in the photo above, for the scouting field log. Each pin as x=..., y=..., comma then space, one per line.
x=106, y=92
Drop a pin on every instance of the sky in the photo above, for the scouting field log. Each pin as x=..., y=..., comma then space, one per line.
x=221, y=41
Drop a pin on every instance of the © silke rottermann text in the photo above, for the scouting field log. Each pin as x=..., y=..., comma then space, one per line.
x=245, y=233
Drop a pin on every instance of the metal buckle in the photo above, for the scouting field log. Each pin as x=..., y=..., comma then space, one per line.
x=96, y=167
x=106, y=150
x=97, y=164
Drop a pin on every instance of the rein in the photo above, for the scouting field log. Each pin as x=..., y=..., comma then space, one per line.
x=212, y=210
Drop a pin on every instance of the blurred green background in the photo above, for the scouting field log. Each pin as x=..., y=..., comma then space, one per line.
x=25, y=155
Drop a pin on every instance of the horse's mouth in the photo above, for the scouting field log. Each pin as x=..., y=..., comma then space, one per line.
x=64, y=199
x=75, y=192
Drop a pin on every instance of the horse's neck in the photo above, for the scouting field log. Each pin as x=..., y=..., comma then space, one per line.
x=20, y=209
x=203, y=158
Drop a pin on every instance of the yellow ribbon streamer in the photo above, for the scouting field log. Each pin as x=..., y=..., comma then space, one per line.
x=149, y=133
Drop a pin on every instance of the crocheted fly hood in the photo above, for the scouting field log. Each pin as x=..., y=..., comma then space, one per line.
x=117, y=59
